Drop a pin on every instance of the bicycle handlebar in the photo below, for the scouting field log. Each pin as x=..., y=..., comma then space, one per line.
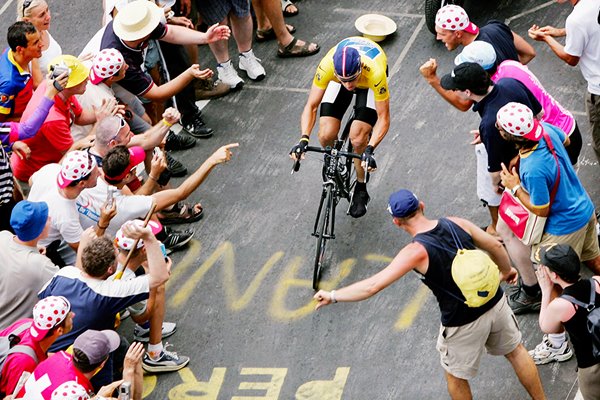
x=326, y=150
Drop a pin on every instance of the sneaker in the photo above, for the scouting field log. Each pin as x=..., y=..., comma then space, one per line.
x=251, y=64
x=197, y=128
x=143, y=335
x=520, y=302
x=544, y=353
x=175, y=167
x=176, y=239
x=167, y=362
x=228, y=75
x=179, y=142
x=358, y=204
x=206, y=89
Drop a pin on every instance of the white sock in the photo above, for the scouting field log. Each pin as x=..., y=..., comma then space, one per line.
x=245, y=53
x=557, y=339
x=154, y=350
x=226, y=63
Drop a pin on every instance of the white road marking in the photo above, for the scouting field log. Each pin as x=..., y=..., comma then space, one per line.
x=5, y=6
x=541, y=6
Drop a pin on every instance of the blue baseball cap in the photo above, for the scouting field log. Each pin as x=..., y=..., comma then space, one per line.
x=346, y=62
x=403, y=203
x=28, y=219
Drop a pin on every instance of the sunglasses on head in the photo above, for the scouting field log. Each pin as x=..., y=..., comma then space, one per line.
x=122, y=124
x=26, y=5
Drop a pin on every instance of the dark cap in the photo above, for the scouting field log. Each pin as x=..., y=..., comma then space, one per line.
x=560, y=258
x=97, y=345
x=467, y=75
x=403, y=203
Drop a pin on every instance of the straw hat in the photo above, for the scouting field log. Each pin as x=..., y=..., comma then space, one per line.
x=375, y=27
x=137, y=20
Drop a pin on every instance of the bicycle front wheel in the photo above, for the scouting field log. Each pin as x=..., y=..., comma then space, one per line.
x=323, y=234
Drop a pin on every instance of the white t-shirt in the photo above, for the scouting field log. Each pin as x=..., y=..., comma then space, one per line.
x=63, y=212
x=583, y=41
x=53, y=50
x=90, y=202
x=93, y=96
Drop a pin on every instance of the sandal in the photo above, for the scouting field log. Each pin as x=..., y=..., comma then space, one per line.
x=285, y=4
x=269, y=34
x=291, y=50
x=181, y=213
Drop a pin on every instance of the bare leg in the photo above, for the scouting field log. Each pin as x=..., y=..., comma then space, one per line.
x=594, y=265
x=328, y=130
x=220, y=48
x=518, y=252
x=242, y=32
x=359, y=136
x=158, y=315
x=527, y=372
x=272, y=10
x=458, y=389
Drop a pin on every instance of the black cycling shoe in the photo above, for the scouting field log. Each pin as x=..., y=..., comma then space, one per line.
x=176, y=239
x=358, y=207
x=179, y=141
x=197, y=128
x=175, y=167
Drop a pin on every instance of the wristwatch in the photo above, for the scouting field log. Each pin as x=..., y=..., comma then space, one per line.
x=513, y=191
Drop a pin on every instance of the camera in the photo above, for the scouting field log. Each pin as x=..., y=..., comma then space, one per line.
x=59, y=69
x=125, y=391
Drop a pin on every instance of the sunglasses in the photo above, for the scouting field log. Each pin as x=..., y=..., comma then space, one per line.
x=122, y=124
x=26, y=5
x=349, y=78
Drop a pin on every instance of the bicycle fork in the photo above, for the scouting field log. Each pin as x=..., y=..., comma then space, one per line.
x=329, y=202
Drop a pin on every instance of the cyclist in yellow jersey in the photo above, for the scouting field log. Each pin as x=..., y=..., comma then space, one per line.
x=355, y=65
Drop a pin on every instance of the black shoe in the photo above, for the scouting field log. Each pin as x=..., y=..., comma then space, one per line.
x=358, y=207
x=520, y=302
x=179, y=141
x=197, y=128
x=176, y=239
x=175, y=167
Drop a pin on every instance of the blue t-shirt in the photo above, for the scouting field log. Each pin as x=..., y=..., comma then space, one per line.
x=504, y=91
x=499, y=35
x=572, y=207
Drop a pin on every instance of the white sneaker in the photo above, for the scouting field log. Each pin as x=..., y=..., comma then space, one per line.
x=143, y=335
x=251, y=64
x=544, y=353
x=228, y=75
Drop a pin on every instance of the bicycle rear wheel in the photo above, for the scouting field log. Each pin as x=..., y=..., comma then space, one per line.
x=323, y=234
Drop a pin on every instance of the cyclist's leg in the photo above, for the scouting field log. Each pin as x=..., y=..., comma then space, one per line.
x=333, y=106
x=365, y=117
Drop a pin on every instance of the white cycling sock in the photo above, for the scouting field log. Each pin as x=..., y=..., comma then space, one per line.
x=557, y=339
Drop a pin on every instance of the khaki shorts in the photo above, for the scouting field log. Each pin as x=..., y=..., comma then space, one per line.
x=486, y=191
x=589, y=381
x=584, y=241
x=461, y=347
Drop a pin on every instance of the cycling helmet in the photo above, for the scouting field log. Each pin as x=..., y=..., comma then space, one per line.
x=346, y=63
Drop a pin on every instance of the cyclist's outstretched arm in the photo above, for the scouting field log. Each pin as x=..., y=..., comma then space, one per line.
x=383, y=122
x=309, y=114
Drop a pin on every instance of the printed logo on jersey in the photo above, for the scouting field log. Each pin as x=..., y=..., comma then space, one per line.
x=382, y=90
x=364, y=47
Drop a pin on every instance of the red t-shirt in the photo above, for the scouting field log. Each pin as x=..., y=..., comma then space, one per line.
x=54, y=137
x=52, y=373
x=17, y=363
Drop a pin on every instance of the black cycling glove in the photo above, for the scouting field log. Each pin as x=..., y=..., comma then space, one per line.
x=369, y=157
x=300, y=147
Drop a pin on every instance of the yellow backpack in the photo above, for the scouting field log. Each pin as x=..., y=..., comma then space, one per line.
x=476, y=275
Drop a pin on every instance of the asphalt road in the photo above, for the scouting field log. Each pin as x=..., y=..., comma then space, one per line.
x=241, y=294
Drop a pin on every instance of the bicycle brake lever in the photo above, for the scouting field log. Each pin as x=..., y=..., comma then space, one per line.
x=296, y=165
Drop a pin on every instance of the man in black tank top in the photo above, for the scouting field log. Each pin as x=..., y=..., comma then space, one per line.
x=466, y=333
x=560, y=265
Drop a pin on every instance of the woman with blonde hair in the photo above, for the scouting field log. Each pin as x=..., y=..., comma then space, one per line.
x=38, y=13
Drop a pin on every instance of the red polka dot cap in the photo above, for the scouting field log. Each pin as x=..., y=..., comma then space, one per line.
x=125, y=243
x=70, y=390
x=517, y=119
x=106, y=64
x=454, y=18
x=76, y=165
x=47, y=314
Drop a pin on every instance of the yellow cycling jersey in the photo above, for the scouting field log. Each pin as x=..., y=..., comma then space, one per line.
x=374, y=67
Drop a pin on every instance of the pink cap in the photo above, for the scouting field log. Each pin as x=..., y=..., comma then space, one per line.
x=137, y=154
x=454, y=18
x=125, y=243
x=107, y=63
x=517, y=119
x=76, y=165
x=48, y=313
x=70, y=390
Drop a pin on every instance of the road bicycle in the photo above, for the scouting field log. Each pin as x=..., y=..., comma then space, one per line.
x=339, y=179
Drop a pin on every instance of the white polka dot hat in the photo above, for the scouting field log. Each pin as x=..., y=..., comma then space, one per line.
x=125, y=243
x=517, y=119
x=70, y=390
x=106, y=64
x=75, y=165
x=48, y=313
x=454, y=18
